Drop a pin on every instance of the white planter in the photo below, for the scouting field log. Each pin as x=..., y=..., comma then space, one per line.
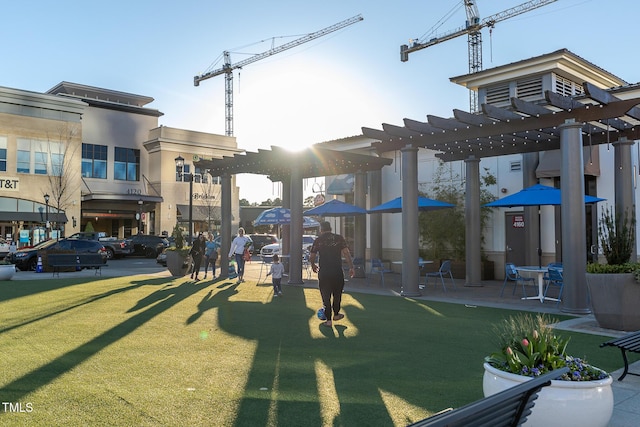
x=7, y=271
x=567, y=403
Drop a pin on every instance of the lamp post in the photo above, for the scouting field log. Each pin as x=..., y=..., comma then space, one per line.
x=46, y=217
x=140, y=216
x=180, y=167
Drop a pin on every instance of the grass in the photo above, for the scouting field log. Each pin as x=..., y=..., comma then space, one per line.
x=150, y=351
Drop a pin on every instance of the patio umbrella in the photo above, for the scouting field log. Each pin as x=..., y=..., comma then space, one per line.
x=424, y=204
x=336, y=208
x=278, y=216
x=536, y=195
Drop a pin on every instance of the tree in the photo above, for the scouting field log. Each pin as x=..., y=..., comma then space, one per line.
x=61, y=173
x=211, y=197
x=443, y=231
x=244, y=202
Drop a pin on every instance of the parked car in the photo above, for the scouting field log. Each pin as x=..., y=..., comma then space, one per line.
x=261, y=240
x=275, y=248
x=115, y=247
x=147, y=245
x=26, y=259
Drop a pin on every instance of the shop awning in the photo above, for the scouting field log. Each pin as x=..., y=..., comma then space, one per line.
x=33, y=217
x=341, y=184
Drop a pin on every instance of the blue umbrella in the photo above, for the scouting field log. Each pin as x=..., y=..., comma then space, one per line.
x=424, y=204
x=536, y=195
x=278, y=216
x=336, y=208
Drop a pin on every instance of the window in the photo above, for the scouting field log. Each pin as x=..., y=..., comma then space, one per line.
x=3, y=154
x=57, y=161
x=40, y=163
x=23, y=164
x=126, y=164
x=184, y=177
x=94, y=161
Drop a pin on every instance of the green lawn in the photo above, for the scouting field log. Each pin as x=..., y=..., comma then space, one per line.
x=149, y=351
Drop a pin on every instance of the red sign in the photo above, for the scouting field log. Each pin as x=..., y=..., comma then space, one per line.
x=518, y=221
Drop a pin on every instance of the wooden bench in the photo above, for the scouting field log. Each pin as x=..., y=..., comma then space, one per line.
x=510, y=407
x=629, y=342
x=77, y=261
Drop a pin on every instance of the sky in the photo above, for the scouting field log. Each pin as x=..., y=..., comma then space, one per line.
x=322, y=90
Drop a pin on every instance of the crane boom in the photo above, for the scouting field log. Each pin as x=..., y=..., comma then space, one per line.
x=228, y=67
x=472, y=30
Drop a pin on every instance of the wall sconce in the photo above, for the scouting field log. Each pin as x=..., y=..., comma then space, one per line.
x=503, y=190
x=73, y=218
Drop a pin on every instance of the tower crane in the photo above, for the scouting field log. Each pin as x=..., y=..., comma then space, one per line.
x=472, y=28
x=228, y=67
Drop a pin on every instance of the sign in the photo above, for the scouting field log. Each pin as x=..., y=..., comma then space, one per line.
x=318, y=200
x=518, y=221
x=10, y=184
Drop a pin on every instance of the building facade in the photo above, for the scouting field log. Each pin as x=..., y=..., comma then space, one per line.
x=104, y=162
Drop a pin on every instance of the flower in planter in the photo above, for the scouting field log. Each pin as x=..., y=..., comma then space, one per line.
x=529, y=347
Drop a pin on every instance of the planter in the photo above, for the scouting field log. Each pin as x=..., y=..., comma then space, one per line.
x=7, y=271
x=177, y=263
x=579, y=403
x=615, y=299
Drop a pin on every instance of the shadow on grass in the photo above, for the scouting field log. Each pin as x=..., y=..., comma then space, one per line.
x=17, y=289
x=168, y=297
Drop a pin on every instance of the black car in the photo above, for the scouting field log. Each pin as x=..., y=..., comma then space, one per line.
x=27, y=259
x=147, y=245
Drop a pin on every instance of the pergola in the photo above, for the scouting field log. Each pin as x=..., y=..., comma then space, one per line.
x=565, y=123
x=290, y=168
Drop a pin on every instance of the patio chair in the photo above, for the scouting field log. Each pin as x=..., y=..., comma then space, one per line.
x=377, y=267
x=445, y=269
x=512, y=275
x=266, y=266
x=306, y=265
x=555, y=279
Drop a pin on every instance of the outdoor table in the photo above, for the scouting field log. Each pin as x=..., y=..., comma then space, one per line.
x=421, y=263
x=540, y=273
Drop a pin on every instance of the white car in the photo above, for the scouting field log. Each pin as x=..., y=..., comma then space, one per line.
x=275, y=248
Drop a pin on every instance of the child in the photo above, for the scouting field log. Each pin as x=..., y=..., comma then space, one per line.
x=276, y=272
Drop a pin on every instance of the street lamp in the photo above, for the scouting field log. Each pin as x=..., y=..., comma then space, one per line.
x=46, y=218
x=139, y=216
x=180, y=167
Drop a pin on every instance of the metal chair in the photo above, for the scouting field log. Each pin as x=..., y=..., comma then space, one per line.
x=306, y=265
x=377, y=267
x=555, y=279
x=445, y=269
x=512, y=275
x=265, y=265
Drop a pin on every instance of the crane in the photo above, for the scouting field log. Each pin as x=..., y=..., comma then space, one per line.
x=472, y=28
x=228, y=67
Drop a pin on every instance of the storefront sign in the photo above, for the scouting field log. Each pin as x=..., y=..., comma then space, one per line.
x=10, y=184
x=518, y=221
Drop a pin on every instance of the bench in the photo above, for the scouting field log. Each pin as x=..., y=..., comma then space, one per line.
x=510, y=407
x=629, y=342
x=78, y=261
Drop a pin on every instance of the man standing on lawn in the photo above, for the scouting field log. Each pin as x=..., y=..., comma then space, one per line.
x=331, y=248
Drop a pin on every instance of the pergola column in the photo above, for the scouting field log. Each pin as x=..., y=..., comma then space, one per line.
x=410, y=232
x=296, y=229
x=360, y=229
x=574, y=241
x=375, y=221
x=225, y=224
x=285, y=228
x=532, y=243
x=623, y=177
x=473, y=247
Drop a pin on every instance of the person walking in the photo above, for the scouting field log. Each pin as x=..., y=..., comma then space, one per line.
x=276, y=272
x=196, y=252
x=238, y=245
x=331, y=248
x=210, y=256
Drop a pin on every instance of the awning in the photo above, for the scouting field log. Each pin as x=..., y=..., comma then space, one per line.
x=33, y=217
x=550, y=161
x=200, y=213
x=341, y=184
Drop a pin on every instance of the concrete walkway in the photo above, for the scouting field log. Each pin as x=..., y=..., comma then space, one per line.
x=626, y=393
